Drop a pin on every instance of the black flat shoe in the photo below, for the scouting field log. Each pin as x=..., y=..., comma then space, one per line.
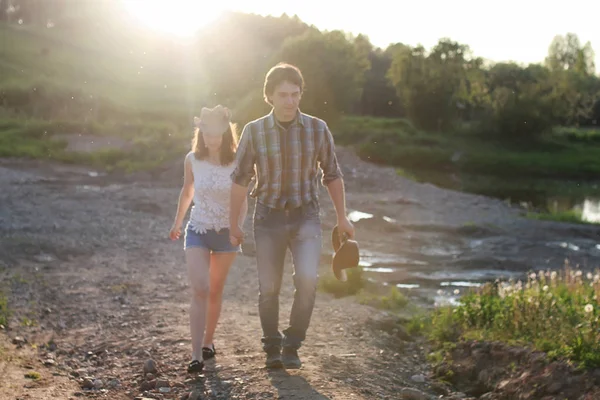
x=195, y=366
x=208, y=352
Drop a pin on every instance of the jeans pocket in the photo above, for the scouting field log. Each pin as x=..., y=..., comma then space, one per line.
x=312, y=211
x=261, y=212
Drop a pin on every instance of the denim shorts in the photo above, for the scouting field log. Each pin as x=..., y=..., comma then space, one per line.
x=216, y=242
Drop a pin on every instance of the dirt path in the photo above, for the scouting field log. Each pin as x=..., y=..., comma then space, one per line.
x=97, y=290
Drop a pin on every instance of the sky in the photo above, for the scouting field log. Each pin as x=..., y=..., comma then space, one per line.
x=512, y=30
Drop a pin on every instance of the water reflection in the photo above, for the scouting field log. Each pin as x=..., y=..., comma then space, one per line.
x=379, y=269
x=588, y=207
x=544, y=194
x=356, y=215
x=591, y=210
x=407, y=285
x=462, y=284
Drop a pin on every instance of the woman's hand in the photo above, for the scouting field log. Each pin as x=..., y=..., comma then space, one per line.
x=175, y=232
x=236, y=235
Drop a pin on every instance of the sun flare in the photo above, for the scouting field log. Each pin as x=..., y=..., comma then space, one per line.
x=175, y=17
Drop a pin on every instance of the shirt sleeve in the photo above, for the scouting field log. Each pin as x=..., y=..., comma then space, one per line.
x=245, y=158
x=328, y=159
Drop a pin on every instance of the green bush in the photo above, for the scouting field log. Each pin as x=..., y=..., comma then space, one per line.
x=555, y=312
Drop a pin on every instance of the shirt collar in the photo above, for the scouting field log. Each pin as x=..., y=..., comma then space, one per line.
x=300, y=119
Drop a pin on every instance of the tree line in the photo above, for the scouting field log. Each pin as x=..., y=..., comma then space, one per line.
x=445, y=88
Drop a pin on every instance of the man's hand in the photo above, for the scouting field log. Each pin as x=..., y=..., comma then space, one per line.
x=236, y=235
x=345, y=227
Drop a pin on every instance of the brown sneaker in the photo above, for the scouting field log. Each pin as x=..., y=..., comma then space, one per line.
x=290, y=358
x=273, y=360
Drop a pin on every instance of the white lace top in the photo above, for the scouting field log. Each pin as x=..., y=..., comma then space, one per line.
x=212, y=188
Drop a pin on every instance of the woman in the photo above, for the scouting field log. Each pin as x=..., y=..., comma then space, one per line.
x=208, y=251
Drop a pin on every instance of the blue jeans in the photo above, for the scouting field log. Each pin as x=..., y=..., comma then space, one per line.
x=274, y=232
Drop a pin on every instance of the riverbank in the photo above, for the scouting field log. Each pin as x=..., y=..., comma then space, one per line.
x=567, y=161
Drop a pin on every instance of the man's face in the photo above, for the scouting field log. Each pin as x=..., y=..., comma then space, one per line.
x=286, y=100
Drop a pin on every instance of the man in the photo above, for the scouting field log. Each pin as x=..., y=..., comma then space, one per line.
x=285, y=149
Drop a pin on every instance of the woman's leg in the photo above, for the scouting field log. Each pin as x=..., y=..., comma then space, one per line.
x=219, y=268
x=198, y=260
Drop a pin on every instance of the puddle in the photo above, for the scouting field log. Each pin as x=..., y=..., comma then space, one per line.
x=369, y=258
x=564, y=245
x=43, y=258
x=465, y=276
x=462, y=284
x=442, y=300
x=591, y=210
x=388, y=219
x=475, y=243
x=94, y=188
x=441, y=250
x=89, y=188
x=408, y=285
x=356, y=216
x=379, y=269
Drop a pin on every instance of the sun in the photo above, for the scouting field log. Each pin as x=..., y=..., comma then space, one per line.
x=175, y=17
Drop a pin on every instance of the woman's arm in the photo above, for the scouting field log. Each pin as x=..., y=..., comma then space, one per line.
x=185, y=197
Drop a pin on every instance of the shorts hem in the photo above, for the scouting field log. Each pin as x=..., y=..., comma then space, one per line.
x=226, y=251
x=197, y=246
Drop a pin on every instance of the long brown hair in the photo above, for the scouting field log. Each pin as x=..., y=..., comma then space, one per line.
x=228, y=145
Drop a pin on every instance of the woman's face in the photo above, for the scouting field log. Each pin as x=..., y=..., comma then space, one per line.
x=213, y=142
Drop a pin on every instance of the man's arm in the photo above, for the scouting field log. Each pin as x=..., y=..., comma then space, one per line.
x=241, y=177
x=338, y=197
x=243, y=212
x=238, y=198
x=333, y=180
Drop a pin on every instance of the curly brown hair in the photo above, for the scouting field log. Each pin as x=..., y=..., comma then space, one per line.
x=228, y=146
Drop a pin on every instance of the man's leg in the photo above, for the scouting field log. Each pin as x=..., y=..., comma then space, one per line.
x=306, y=244
x=271, y=241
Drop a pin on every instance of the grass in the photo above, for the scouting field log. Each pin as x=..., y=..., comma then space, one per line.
x=578, y=134
x=394, y=300
x=355, y=283
x=33, y=375
x=151, y=143
x=4, y=312
x=569, y=153
x=554, y=312
x=571, y=216
x=53, y=82
x=108, y=62
x=371, y=295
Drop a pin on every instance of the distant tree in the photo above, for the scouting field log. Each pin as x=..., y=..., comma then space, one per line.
x=520, y=102
x=431, y=86
x=378, y=97
x=333, y=68
x=237, y=49
x=567, y=53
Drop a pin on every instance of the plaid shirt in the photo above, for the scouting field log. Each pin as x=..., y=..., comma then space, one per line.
x=286, y=161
